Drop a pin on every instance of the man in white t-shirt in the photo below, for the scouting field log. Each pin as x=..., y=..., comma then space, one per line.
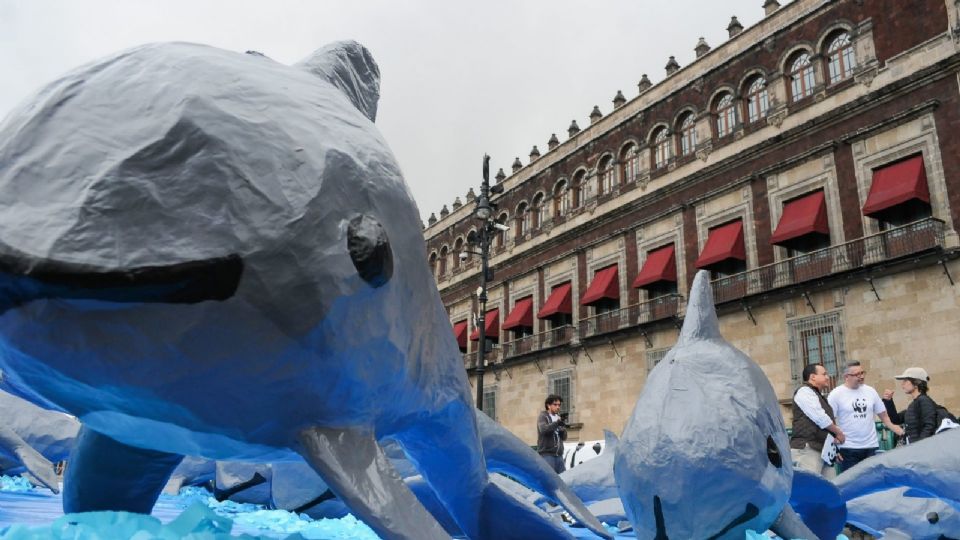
x=855, y=405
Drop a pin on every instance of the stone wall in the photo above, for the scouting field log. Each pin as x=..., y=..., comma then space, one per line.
x=913, y=324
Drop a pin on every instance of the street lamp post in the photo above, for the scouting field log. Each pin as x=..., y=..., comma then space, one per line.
x=484, y=212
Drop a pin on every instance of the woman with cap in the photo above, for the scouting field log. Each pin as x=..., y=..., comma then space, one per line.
x=919, y=421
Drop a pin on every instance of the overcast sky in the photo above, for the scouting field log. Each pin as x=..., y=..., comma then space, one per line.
x=459, y=79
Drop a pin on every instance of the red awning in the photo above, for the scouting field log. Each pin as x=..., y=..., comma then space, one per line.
x=522, y=315
x=661, y=265
x=559, y=302
x=605, y=284
x=492, y=330
x=460, y=331
x=896, y=184
x=801, y=217
x=725, y=242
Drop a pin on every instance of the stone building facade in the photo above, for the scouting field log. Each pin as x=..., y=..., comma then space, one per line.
x=811, y=163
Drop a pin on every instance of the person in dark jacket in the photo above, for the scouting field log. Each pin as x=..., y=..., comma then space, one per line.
x=812, y=420
x=919, y=420
x=551, y=432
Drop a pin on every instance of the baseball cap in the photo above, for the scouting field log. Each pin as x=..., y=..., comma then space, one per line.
x=914, y=373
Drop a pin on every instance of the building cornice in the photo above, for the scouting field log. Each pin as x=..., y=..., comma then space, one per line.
x=716, y=59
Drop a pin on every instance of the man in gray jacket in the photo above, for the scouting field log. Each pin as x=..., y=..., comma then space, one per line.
x=551, y=432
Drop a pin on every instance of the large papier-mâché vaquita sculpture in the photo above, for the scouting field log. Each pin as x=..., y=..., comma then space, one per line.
x=928, y=468
x=593, y=480
x=213, y=254
x=705, y=452
x=894, y=515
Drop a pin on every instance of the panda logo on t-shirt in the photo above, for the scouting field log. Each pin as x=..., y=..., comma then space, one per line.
x=860, y=405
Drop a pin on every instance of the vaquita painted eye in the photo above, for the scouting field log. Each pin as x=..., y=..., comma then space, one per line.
x=370, y=250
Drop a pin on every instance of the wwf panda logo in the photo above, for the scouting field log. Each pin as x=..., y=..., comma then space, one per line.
x=860, y=405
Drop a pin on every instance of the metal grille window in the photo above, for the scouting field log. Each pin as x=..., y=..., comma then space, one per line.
x=654, y=358
x=561, y=383
x=490, y=402
x=817, y=339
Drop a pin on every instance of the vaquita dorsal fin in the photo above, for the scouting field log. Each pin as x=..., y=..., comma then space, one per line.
x=609, y=438
x=700, y=321
x=350, y=67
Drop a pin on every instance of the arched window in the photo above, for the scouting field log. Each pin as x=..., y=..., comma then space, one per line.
x=607, y=175
x=472, y=241
x=801, y=76
x=840, y=58
x=630, y=163
x=442, y=262
x=726, y=115
x=758, y=101
x=433, y=264
x=688, y=134
x=561, y=199
x=457, y=248
x=539, y=212
x=500, y=238
x=522, y=220
x=576, y=199
x=661, y=148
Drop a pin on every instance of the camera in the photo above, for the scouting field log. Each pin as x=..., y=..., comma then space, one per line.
x=565, y=418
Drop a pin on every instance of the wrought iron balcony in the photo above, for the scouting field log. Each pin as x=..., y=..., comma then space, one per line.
x=492, y=356
x=637, y=314
x=911, y=239
x=536, y=342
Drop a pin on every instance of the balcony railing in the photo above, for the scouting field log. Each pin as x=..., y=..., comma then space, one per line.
x=910, y=239
x=535, y=342
x=637, y=314
x=642, y=313
x=492, y=355
x=914, y=238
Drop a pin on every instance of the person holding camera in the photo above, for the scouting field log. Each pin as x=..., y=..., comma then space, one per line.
x=551, y=432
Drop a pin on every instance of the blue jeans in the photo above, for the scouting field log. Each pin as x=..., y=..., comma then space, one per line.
x=555, y=462
x=852, y=456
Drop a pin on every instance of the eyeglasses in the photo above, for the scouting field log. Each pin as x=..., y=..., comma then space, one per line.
x=861, y=374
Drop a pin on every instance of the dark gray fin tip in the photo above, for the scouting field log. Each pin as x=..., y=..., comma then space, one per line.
x=223, y=494
x=658, y=519
x=325, y=496
x=350, y=67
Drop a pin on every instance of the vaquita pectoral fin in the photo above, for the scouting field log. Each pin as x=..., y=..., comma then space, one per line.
x=38, y=466
x=789, y=525
x=105, y=474
x=505, y=453
x=357, y=470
